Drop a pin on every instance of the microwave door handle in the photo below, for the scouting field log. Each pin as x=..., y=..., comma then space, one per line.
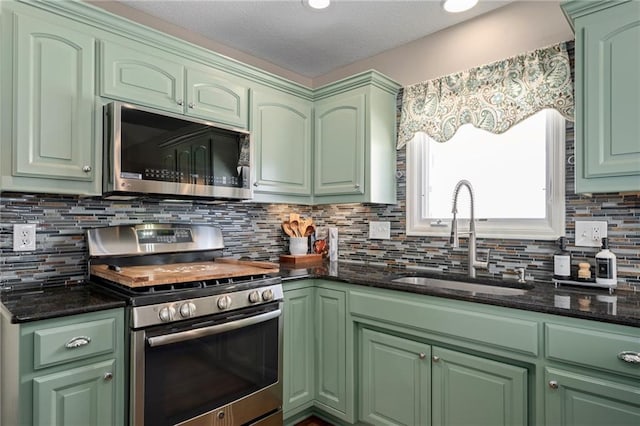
x=211, y=330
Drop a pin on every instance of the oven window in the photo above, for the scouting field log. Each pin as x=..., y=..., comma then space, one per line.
x=189, y=378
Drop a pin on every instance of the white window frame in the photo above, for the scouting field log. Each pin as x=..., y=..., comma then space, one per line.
x=549, y=228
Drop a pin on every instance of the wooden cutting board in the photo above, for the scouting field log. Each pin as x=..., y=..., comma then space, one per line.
x=148, y=275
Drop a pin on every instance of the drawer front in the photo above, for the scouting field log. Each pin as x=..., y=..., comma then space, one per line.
x=72, y=342
x=592, y=348
x=460, y=322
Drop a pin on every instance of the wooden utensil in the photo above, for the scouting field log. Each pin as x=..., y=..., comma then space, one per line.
x=310, y=229
x=294, y=227
x=286, y=227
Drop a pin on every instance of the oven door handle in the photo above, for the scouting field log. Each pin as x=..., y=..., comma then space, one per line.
x=211, y=330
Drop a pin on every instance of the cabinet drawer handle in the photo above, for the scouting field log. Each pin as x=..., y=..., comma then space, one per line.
x=108, y=376
x=435, y=358
x=553, y=384
x=77, y=342
x=630, y=357
x=86, y=169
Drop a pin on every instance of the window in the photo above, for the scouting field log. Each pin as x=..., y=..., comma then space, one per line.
x=517, y=178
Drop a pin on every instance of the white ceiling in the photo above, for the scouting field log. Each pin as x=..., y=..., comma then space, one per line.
x=306, y=41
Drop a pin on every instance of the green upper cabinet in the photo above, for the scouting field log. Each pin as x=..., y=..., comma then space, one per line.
x=281, y=130
x=143, y=77
x=340, y=144
x=607, y=95
x=154, y=78
x=213, y=95
x=355, y=138
x=48, y=104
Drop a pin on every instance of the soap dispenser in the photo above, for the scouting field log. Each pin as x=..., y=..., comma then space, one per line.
x=606, y=269
x=562, y=261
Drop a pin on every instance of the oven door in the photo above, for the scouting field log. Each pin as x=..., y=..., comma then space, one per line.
x=218, y=370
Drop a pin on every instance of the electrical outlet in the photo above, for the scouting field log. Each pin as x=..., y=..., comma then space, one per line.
x=379, y=230
x=24, y=237
x=590, y=233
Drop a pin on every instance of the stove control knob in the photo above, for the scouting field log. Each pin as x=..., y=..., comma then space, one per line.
x=267, y=295
x=167, y=313
x=254, y=297
x=224, y=302
x=187, y=310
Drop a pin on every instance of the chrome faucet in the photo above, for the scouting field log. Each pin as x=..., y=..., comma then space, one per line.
x=473, y=263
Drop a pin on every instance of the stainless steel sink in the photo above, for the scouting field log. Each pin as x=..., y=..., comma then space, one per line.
x=461, y=285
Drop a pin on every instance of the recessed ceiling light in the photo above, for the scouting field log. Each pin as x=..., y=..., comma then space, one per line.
x=455, y=6
x=318, y=4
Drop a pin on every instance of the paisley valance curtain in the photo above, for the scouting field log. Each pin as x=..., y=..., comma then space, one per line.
x=492, y=97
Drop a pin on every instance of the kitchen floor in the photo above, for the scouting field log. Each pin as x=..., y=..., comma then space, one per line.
x=313, y=421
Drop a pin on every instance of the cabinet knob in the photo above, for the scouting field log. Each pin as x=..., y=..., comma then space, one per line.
x=77, y=342
x=630, y=357
x=553, y=384
x=86, y=169
x=421, y=355
x=356, y=186
x=255, y=184
x=191, y=105
x=180, y=102
x=435, y=358
x=108, y=376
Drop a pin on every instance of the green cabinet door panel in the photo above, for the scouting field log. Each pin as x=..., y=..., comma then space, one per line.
x=395, y=380
x=140, y=76
x=299, y=349
x=53, y=103
x=281, y=128
x=79, y=396
x=607, y=96
x=340, y=144
x=469, y=390
x=212, y=95
x=573, y=399
x=331, y=358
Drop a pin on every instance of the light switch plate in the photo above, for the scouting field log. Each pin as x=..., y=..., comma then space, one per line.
x=590, y=233
x=24, y=237
x=379, y=230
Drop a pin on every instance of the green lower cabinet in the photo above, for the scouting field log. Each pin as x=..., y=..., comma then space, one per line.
x=80, y=396
x=573, y=399
x=64, y=371
x=331, y=338
x=469, y=390
x=395, y=380
x=299, y=350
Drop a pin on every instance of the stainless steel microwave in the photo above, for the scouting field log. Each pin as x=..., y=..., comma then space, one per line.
x=151, y=152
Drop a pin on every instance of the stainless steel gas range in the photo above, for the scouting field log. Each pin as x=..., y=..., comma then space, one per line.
x=205, y=332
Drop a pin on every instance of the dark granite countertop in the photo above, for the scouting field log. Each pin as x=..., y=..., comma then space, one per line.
x=38, y=302
x=621, y=307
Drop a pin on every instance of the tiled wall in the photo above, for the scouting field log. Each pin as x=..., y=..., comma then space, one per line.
x=253, y=230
